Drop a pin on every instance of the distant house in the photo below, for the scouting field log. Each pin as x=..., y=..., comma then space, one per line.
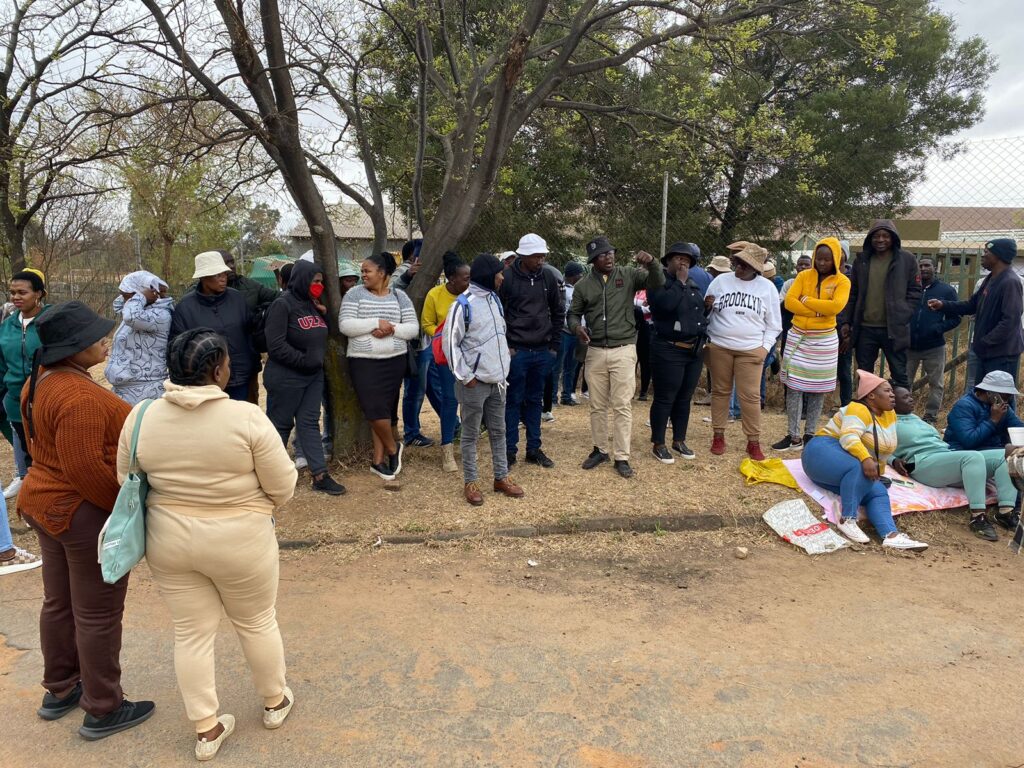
x=353, y=232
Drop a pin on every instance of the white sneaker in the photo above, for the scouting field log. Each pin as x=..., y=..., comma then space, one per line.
x=547, y=416
x=574, y=398
x=301, y=463
x=274, y=718
x=902, y=541
x=706, y=419
x=207, y=750
x=12, y=490
x=852, y=531
x=22, y=561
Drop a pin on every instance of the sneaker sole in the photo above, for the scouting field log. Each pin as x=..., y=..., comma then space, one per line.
x=382, y=475
x=216, y=744
x=56, y=714
x=920, y=548
x=95, y=734
x=5, y=569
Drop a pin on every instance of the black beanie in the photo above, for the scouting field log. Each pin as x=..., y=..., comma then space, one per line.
x=483, y=270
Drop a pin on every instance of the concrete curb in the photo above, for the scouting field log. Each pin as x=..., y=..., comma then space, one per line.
x=666, y=523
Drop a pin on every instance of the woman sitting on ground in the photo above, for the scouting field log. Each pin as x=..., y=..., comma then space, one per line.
x=137, y=367
x=848, y=457
x=379, y=321
x=811, y=355
x=922, y=454
x=73, y=425
x=216, y=469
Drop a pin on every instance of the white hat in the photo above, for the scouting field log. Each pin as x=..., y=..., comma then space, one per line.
x=307, y=256
x=530, y=244
x=998, y=381
x=208, y=264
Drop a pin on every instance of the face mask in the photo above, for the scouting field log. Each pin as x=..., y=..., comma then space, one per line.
x=316, y=290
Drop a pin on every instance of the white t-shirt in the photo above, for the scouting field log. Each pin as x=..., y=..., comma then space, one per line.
x=746, y=313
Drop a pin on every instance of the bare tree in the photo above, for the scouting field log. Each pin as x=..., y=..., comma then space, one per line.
x=57, y=64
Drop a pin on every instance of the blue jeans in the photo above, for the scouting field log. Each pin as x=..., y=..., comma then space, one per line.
x=569, y=366
x=734, y=405
x=984, y=365
x=828, y=464
x=449, y=404
x=553, y=377
x=415, y=388
x=239, y=392
x=525, y=397
x=20, y=465
x=6, y=542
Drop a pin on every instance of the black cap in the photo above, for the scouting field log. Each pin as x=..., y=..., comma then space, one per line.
x=573, y=268
x=683, y=249
x=597, y=246
x=67, y=329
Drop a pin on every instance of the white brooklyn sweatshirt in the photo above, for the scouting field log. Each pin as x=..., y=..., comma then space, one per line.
x=745, y=314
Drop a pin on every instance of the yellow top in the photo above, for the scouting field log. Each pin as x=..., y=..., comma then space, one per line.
x=821, y=303
x=852, y=426
x=435, y=308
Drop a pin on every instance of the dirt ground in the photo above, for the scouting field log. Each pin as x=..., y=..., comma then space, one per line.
x=613, y=651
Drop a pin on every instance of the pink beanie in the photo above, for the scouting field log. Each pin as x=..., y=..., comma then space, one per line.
x=867, y=382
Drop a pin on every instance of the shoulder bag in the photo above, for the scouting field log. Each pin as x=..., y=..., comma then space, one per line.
x=122, y=540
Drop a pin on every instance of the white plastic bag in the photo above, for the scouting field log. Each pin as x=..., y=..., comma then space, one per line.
x=795, y=523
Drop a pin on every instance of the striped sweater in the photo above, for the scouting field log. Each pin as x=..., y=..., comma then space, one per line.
x=360, y=314
x=852, y=426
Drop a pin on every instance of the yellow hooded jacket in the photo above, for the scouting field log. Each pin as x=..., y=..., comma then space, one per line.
x=822, y=302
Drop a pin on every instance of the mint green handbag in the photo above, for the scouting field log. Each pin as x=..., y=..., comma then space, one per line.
x=122, y=541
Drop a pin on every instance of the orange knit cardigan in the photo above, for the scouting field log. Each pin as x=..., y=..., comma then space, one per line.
x=74, y=452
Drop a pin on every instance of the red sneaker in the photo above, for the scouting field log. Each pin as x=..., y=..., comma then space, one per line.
x=718, y=445
x=754, y=450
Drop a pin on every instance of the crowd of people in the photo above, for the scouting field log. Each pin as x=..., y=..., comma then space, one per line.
x=498, y=343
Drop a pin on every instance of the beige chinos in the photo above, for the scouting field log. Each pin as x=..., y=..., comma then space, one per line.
x=611, y=382
x=206, y=568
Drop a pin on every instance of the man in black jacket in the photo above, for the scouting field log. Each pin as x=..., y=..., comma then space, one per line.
x=213, y=305
x=997, y=306
x=885, y=289
x=534, y=314
x=927, y=337
x=258, y=298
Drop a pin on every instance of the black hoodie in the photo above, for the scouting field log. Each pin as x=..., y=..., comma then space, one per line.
x=534, y=307
x=902, y=288
x=296, y=332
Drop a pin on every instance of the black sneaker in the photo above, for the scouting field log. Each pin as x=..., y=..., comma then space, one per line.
x=595, y=458
x=327, y=484
x=539, y=458
x=567, y=402
x=983, y=528
x=643, y=397
x=788, y=443
x=395, y=461
x=1009, y=520
x=623, y=468
x=382, y=470
x=682, y=449
x=54, y=708
x=128, y=715
x=419, y=441
x=807, y=439
x=661, y=454
x=510, y=458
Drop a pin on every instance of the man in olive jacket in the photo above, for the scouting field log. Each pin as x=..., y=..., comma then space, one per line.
x=885, y=289
x=604, y=298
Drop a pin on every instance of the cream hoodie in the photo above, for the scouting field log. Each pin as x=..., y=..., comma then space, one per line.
x=208, y=456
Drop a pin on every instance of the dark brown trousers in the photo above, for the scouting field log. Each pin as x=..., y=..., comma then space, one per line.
x=80, y=623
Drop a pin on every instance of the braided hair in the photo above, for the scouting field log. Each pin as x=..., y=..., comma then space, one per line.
x=384, y=261
x=193, y=355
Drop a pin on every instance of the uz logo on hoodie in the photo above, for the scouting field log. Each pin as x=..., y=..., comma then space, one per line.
x=309, y=322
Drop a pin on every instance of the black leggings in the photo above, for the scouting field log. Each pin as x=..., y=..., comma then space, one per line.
x=676, y=374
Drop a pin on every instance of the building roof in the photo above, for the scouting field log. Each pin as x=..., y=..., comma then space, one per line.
x=970, y=219
x=351, y=222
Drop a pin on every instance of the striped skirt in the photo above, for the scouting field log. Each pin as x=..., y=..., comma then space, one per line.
x=809, y=360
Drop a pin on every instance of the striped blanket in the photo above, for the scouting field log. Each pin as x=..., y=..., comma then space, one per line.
x=809, y=360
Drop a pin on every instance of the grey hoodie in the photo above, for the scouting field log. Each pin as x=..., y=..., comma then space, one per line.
x=139, y=351
x=479, y=350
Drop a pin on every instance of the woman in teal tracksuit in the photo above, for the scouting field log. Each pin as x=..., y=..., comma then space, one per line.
x=18, y=343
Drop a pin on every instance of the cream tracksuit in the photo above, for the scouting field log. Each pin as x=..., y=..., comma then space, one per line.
x=216, y=469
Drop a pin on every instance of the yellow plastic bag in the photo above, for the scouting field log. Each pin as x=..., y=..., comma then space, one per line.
x=767, y=471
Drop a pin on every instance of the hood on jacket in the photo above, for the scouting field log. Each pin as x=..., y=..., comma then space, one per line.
x=888, y=226
x=191, y=398
x=833, y=245
x=302, y=277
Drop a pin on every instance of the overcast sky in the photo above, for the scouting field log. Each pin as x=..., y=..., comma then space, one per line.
x=991, y=172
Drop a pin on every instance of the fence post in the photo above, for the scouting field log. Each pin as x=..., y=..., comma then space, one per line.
x=664, y=213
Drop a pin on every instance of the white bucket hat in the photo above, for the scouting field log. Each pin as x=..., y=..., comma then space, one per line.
x=530, y=244
x=998, y=381
x=208, y=264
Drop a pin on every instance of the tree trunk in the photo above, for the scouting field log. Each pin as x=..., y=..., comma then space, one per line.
x=734, y=199
x=168, y=247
